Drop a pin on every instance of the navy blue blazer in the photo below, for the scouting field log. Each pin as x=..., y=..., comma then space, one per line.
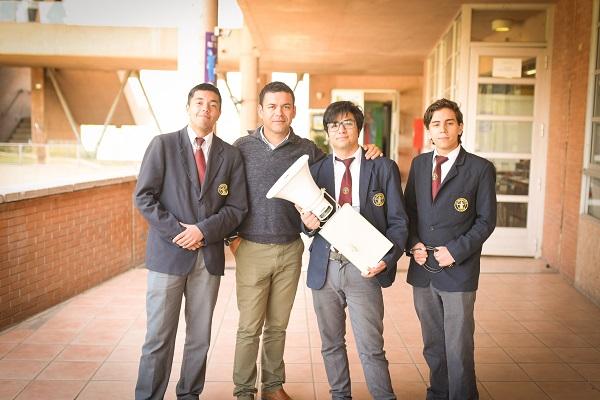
x=378, y=176
x=461, y=218
x=168, y=192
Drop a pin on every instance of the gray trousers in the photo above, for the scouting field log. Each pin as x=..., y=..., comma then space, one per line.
x=345, y=286
x=448, y=325
x=163, y=303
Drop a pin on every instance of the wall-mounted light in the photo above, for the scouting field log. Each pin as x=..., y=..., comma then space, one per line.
x=501, y=25
x=319, y=95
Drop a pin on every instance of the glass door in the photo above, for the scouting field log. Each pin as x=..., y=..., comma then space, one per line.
x=382, y=116
x=505, y=123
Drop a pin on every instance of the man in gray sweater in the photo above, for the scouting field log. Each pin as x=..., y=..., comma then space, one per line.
x=269, y=251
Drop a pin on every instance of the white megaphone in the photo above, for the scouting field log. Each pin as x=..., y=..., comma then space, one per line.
x=297, y=185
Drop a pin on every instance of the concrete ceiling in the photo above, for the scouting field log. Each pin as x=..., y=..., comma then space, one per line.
x=87, y=47
x=375, y=37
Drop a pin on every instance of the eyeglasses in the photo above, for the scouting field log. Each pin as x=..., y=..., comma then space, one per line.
x=433, y=270
x=335, y=126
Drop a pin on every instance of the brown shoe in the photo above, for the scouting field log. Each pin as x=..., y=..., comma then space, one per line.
x=279, y=394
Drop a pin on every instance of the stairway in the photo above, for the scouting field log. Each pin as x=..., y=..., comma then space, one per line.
x=22, y=133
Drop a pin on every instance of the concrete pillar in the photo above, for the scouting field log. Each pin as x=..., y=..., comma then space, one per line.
x=38, y=129
x=249, y=71
x=191, y=33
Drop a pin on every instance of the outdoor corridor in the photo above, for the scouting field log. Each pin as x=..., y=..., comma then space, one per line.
x=536, y=338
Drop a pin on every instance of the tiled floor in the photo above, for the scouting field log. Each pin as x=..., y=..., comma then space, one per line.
x=537, y=338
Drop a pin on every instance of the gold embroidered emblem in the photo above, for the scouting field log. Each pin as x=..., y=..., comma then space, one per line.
x=223, y=190
x=434, y=176
x=461, y=204
x=379, y=199
x=345, y=190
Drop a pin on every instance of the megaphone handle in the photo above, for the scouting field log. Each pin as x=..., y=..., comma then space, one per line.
x=337, y=206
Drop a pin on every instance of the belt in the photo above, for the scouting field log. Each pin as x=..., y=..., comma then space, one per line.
x=337, y=256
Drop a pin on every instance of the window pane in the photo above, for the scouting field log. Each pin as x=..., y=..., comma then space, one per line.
x=430, y=78
x=434, y=74
x=594, y=198
x=503, y=137
x=448, y=49
x=494, y=99
x=448, y=74
x=512, y=176
x=598, y=49
x=447, y=60
x=528, y=66
x=595, y=156
x=512, y=215
x=458, y=40
x=508, y=26
x=597, y=97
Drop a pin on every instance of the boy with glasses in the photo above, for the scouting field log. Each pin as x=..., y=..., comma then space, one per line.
x=373, y=188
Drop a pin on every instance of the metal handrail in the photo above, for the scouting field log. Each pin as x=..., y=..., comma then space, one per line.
x=45, y=148
x=13, y=101
x=21, y=153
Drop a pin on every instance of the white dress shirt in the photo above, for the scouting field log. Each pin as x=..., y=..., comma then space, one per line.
x=448, y=164
x=339, y=169
x=205, y=145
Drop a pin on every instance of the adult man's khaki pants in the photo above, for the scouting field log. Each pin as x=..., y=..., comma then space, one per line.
x=267, y=278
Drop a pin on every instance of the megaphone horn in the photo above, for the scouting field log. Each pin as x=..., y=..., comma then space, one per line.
x=297, y=185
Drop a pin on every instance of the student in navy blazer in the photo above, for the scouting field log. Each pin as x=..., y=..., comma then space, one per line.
x=446, y=237
x=378, y=175
x=188, y=220
x=334, y=281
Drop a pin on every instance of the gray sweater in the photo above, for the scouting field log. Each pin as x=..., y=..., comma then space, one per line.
x=271, y=220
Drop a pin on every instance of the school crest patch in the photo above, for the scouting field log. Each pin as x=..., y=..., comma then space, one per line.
x=223, y=190
x=379, y=199
x=461, y=204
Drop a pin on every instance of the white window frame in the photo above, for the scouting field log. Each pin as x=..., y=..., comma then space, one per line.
x=590, y=171
x=436, y=86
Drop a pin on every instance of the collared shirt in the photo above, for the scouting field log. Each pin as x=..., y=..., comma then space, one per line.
x=271, y=145
x=448, y=164
x=339, y=169
x=205, y=145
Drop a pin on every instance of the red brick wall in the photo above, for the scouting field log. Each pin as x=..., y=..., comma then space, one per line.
x=54, y=247
x=570, y=63
x=140, y=233
x=587, y=278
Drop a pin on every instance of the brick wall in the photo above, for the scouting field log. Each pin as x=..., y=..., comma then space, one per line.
x=54, y=247
x=570, y=63
x=587, y=276
x=140, y=233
